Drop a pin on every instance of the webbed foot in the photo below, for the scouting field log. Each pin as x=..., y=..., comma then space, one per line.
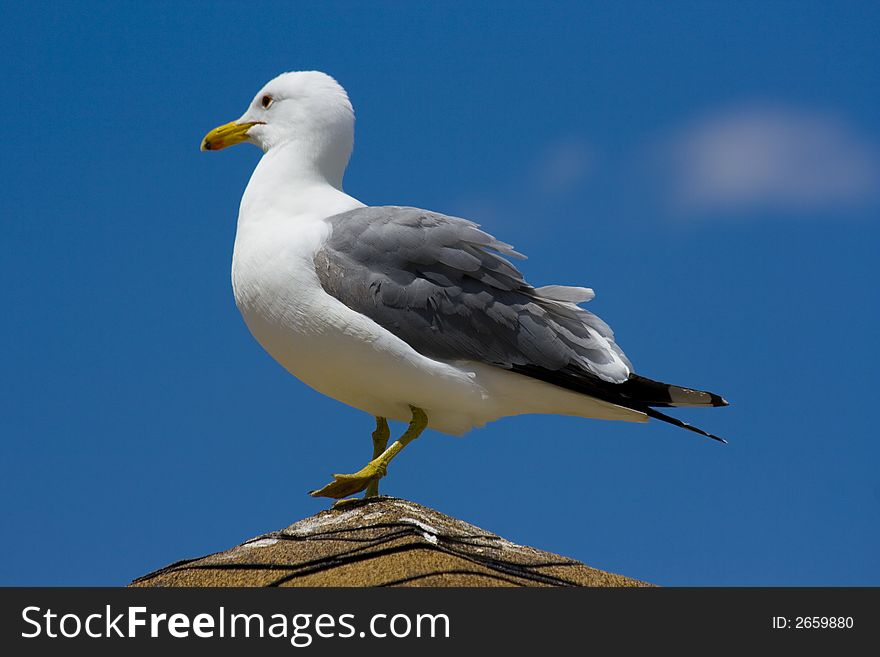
x=344, y=485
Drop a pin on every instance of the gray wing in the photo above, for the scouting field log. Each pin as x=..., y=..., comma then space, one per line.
x=445, y=287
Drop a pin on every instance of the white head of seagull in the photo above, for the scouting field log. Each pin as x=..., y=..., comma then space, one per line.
x=305, y=114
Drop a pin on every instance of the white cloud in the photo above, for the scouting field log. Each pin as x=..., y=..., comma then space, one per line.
x=563, y=166
x=774, y=158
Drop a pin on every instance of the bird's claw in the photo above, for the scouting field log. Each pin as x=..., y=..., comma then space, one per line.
x=344, y=485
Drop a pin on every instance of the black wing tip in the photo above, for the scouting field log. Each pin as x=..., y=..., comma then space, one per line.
x=657, y=415
x=718, y=400
x=706, y=434
x=649, y=392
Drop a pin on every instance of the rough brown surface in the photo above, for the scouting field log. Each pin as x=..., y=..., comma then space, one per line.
x=381, y=542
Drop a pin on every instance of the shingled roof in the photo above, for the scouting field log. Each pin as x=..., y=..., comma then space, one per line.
x=382, y=541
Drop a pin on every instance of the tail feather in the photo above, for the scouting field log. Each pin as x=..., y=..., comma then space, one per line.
x=650, y=395
x=638, y=393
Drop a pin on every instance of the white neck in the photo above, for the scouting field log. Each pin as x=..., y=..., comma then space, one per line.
x=296, y=180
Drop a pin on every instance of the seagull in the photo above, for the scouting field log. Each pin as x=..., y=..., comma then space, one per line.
x=404, y=313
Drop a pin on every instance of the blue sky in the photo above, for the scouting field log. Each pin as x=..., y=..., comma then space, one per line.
x=710, y=169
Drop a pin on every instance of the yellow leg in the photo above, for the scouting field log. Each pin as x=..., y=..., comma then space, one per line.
x=344, y=485
x=380, y=442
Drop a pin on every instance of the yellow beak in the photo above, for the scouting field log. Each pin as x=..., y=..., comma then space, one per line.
x=227, y=135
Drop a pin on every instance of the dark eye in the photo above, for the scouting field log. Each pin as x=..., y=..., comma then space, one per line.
x=266, y=101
